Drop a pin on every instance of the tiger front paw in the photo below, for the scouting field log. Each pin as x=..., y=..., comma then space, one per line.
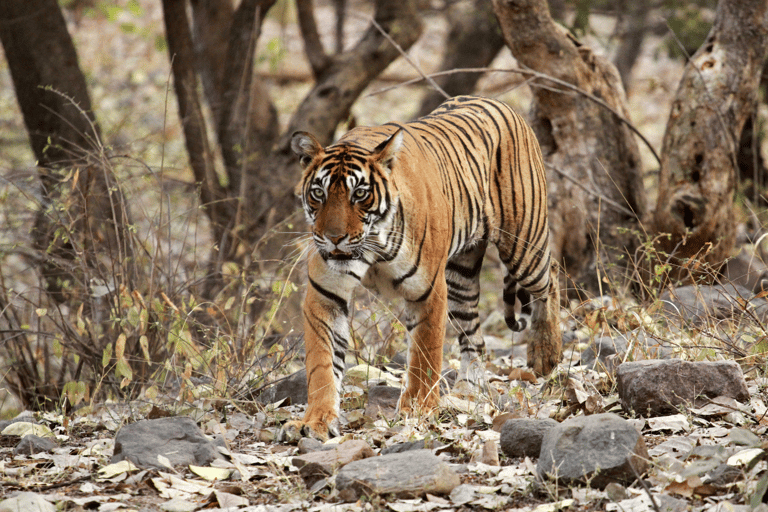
x=293, y=431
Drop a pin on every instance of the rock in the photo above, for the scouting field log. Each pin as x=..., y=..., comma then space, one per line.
x=27, y=502
x=490, y=453
x=596, y=450
x=25, y=416
x=30, y=444
x=521, y=437
x=657, y=388
x=600, y=350
x=696, y=304
x=419, y=444
x=382, y=400
x=310, y=444
x=317, y=465
x=293, y=389
x=408, y=474
x=746, y=270
x=178, y=439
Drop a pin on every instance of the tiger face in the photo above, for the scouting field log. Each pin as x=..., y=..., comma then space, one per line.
x=346, y=195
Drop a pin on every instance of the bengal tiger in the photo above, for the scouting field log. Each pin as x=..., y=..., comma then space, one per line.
x=408, y=210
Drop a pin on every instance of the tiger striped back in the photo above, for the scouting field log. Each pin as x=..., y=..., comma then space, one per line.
x=408, y=210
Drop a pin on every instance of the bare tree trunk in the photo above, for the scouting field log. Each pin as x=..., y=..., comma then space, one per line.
x=634, y=23
x=79, y=200
x=473, y=41
x=212, y=194
x=596, y=194
x=715, y=98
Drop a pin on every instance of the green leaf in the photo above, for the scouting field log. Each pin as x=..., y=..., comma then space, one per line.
x=106, y=356
x=123, y=369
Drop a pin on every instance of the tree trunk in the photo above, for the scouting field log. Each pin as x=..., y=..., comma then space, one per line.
x=596, y=194
x=634, y=25
x=715, y=98
x=473, y=41
x=80, y=223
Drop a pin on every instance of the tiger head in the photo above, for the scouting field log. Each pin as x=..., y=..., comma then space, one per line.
x=345, y=192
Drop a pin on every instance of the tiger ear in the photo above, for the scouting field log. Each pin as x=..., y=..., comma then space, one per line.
x=305, y=146
x=388, y=150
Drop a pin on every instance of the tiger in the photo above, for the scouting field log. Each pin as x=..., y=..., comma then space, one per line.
x=408, y=211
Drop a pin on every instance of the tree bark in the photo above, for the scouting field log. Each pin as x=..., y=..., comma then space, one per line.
x=80, y=224
x=596, y=194
x=715, y=98
x=473, y=41
x=634, y=24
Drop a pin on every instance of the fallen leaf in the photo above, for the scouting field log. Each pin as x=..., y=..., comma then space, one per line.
x=24, y=428
x=115, y=469
x=210, y=473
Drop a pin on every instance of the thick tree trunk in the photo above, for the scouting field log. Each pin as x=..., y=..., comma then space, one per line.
x=473, y=41
x=715, y=98
x=596, y=194
x=80, y=224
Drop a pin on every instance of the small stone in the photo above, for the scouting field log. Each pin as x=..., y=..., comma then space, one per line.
x=596, y=450
x=382, y=400
x=522, y=437
x=490, y=453
x=292, y=389
x=317, y=465
x=31, y=443
x=616, y=492
x=420, y=444
x=657, y=388
x=408, y=474
x=310, y=444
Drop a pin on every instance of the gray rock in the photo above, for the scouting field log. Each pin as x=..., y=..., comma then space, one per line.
x=292, y=388
x=30, y=444
x=600, y=350
x=382, y=400
x=521, y=437
x=746, y=270
x=696, y=304
x=178, y=439
x=656, y=388
x=421, y=444
x=407, y=474
x=310, y=444
x=595, y=450
x=23, y=416
x=315, y=466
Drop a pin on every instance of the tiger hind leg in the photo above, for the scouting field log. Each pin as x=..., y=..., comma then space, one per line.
x=463, y=280
x=544, y=338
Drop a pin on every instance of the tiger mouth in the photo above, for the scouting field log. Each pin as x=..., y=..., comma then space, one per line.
x=340, y=256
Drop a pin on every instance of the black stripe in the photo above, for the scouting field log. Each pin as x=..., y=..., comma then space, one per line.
x=340, y=303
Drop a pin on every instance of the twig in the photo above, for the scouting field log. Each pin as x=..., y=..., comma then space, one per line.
x=535, y=74
x=608, y=200
x=410, y=61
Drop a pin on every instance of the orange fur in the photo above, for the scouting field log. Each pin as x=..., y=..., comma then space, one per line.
x=408, y=210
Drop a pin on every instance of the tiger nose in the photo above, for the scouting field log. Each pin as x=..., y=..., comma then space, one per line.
x=335, y=237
